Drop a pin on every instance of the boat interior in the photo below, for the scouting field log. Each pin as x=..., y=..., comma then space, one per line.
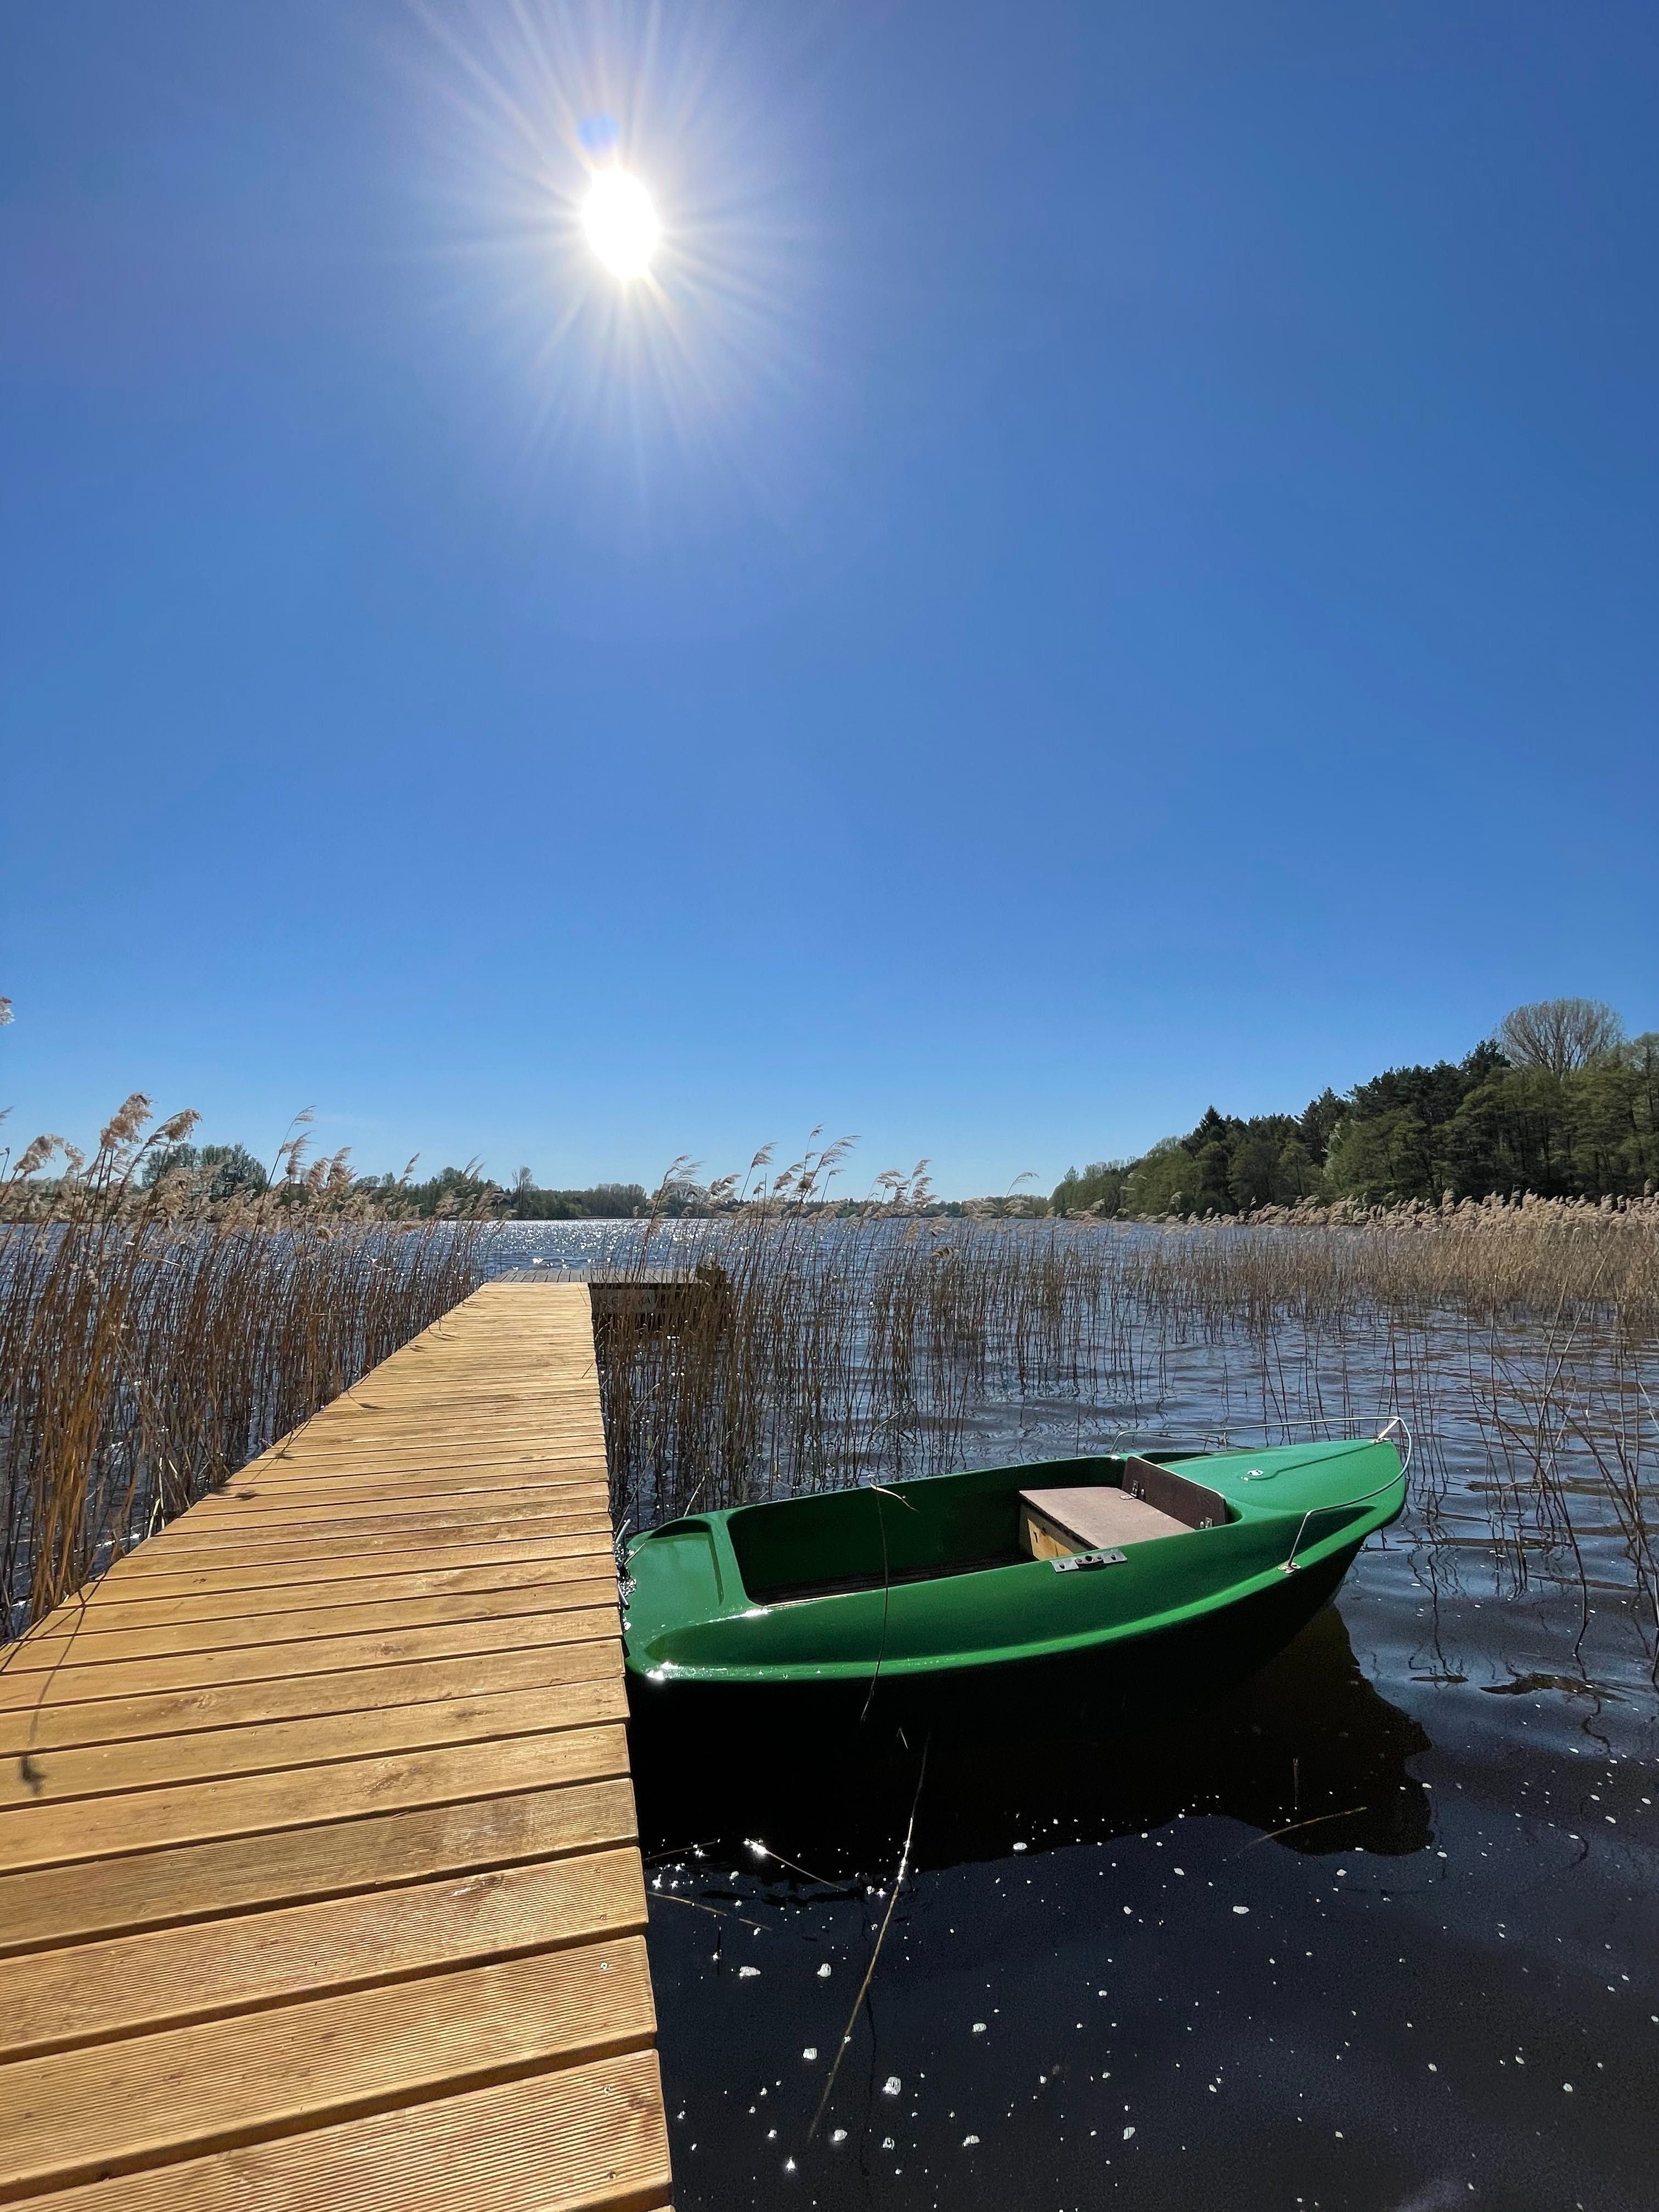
x=881, y=1536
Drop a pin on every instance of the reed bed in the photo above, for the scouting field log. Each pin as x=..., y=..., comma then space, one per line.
x=819, y=1352
x=150, y=1344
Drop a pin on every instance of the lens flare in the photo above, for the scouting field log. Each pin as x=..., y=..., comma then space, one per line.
x=621, y=222
x=630, y=228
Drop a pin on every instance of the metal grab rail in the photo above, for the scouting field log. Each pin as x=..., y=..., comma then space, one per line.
x=1384, y=1435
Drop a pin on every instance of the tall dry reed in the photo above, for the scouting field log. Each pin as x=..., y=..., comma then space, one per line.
x=151, y=1343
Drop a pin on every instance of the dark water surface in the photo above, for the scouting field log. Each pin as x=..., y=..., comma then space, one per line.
x=1376, y=1929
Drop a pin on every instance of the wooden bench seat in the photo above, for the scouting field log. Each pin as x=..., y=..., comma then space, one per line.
x=1055, y=1523
x=1154, y=1501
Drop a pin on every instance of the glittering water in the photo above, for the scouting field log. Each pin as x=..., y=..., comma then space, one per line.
x=1375, y=1930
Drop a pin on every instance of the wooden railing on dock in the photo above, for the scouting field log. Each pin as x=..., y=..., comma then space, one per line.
x=319, y=1886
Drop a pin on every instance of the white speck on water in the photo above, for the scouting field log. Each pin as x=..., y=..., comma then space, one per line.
x=838, y=2135
x=1019, y=1847
x=968, y=2141
x=891, y=2085
x=1128, y=2132
x=823, y=1971
x=1241, y=1908
x=789, y=2166
x=810, y=2051
x=887, y=2143
x=1181, y=1870
x=744, y=1973
x=1567, y=2085
x=979, y=2027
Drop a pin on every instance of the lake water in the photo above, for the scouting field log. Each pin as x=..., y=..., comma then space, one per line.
x=1377, y=1930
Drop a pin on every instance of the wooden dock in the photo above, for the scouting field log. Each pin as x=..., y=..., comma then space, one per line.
x=319, y=1886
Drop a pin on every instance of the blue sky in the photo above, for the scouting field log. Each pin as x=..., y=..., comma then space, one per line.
x=1114, y=569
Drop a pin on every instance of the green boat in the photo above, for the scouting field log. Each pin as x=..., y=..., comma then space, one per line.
x=1138, y=1566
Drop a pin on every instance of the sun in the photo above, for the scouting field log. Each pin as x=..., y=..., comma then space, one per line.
x=621, y=222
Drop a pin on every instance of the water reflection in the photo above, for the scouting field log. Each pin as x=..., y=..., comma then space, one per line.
x=1307, y=1753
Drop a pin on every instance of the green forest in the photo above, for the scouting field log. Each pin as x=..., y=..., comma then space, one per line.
x=224, y=1170
x=1559, y=1103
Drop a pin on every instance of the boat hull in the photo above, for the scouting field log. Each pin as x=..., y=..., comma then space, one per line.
x=1163, y=1671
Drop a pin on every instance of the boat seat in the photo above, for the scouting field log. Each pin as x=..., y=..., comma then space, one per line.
x=1055, y=1523
x=1154, y=1501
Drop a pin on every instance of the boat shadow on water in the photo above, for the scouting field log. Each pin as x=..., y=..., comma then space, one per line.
x=1305, y=1751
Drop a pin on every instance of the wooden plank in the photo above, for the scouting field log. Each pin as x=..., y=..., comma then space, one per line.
x=56, y=1777
x=60, y=1725
x=578, y=2139
x=435, y=1455
x=252, y=1542
x=375, y=1437
x=327, y=1654
x=108, y=1612
x=298, y=1550
x=46, y=1834
x=91, y=1646
x=550, y=1517
x=541, y=1430
x=460, y=1386
x=253, y=1510
x=537, y=1446
x=543, y=1460
x=541, y=1415
x=466, y=1405
x=82, y=2115
x=94, y=1992
x=351, y=1567
x=111, y=1611
x=206, y=1881
x=298, y=1492
x=550, y=1416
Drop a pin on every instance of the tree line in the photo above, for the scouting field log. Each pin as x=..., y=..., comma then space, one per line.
x=467, y=1191
x=1559, y=1102
x=219, y=1171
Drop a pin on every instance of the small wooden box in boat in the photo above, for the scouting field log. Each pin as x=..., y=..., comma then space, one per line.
x=1153, y=1501
x=1055, y=1523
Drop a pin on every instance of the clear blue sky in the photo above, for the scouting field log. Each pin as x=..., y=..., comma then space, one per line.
x=1115, y=570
